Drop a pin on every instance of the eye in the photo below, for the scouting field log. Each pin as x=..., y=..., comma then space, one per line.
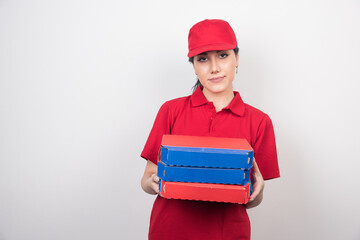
x=223, y=55
x=202, y=59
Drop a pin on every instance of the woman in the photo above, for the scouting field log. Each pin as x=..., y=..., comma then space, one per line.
x=213, y=109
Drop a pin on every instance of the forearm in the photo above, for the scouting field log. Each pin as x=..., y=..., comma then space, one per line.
x=150, y=180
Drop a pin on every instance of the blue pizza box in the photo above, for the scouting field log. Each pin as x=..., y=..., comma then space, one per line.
x=206, y=157
x=203, y=175
x=214, y=152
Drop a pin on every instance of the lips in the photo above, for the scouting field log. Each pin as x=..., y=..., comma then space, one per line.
x=216, y=79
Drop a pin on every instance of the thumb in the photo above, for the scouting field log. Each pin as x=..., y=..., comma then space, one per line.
x=155, y=178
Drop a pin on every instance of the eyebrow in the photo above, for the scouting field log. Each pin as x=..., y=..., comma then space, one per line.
x=217, y=51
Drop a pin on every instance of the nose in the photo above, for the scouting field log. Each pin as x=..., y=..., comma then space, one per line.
x=215, y=67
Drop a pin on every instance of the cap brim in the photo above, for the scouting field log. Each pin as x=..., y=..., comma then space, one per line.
x=212, y=47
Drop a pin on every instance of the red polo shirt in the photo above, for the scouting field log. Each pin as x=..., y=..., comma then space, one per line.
x=194, y=115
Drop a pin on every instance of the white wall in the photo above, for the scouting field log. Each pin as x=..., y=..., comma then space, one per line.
x=81, y=83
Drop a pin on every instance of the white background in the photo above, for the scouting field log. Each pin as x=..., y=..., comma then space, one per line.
x=81, y=83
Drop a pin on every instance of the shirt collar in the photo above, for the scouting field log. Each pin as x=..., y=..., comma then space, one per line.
x=237, y=106
x=198, y=98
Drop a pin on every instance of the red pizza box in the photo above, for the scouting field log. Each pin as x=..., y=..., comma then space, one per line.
x=205, y=142
x=205, y=192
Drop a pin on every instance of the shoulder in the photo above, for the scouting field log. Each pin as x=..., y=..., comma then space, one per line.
x=255, y=114
x=261, y=125
x=176, y=103
x=253, y=110
x=172, y=108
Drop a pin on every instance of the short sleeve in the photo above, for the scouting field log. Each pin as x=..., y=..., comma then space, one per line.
x=161, y=126
x=265, y=150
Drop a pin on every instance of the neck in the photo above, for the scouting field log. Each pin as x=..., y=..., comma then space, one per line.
x=220, y=100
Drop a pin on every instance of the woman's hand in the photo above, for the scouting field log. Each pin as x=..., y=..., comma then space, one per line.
x=257, y=186
x=150, y=181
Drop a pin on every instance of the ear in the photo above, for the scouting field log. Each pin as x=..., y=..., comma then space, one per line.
x=237, y=60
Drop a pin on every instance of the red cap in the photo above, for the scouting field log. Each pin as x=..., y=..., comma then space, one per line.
x=211, y=35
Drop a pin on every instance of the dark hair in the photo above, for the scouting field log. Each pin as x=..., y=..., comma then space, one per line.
x=191, y=59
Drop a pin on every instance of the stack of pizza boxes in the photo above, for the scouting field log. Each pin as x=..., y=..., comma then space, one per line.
x=205, y=168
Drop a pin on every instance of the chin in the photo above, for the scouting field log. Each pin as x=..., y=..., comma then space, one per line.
x=218, y=89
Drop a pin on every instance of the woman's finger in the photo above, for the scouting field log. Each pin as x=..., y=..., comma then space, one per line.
x=257, y=181
x=256, y=191
x=155, y=183
x=155, y=178
x=156, y=187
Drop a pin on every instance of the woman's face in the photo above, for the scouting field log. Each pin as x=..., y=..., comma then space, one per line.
x=216, y=70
